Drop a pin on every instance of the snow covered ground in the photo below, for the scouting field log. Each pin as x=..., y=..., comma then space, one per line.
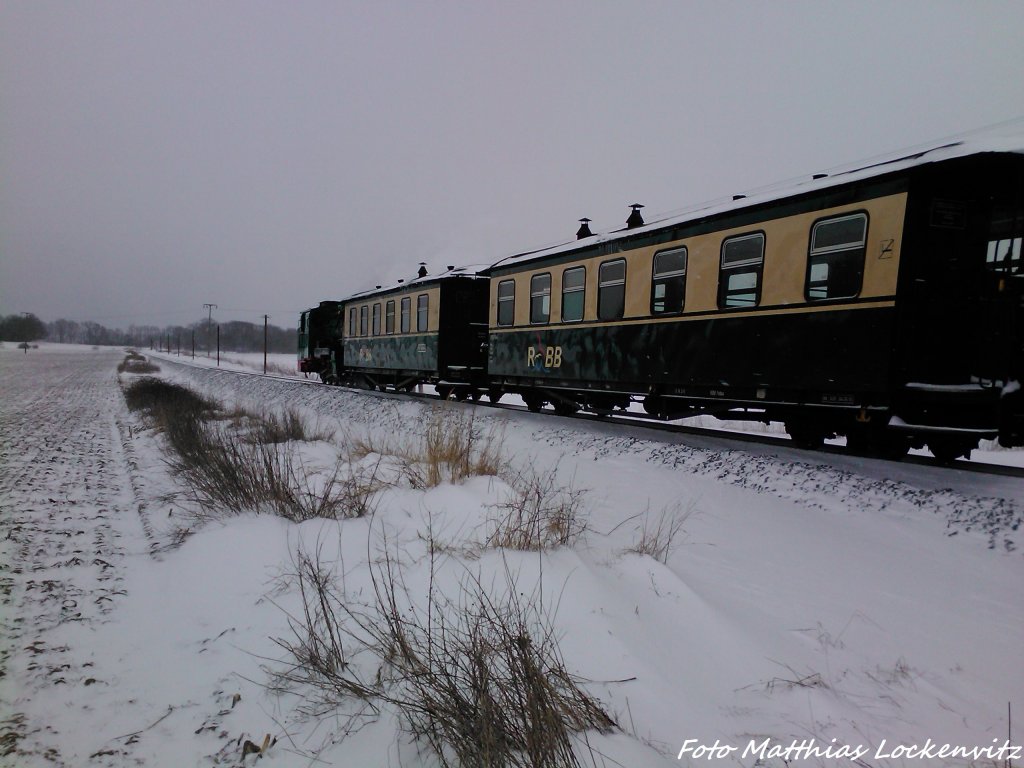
x=847, y=601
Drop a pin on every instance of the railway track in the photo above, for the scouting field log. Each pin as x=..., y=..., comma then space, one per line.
x=649, y=423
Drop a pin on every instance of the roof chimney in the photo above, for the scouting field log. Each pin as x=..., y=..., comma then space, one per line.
x=423, y=269
x=635, y=219
x=584, y=230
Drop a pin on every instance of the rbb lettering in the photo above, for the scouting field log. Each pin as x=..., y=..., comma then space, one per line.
x=545, y=357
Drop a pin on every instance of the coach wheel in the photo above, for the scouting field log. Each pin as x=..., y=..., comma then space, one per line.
x=655, y=406
x=565, y=407
x=892, y=445
x=475, y=395
x=533, y=403
x=806, y=435
x=444, y=392
x=331, y=380
x=948, y=449
x=602, y=405
x=494, y=395
x=870, y=440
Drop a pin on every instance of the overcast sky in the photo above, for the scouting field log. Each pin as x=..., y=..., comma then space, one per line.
x=264, y=156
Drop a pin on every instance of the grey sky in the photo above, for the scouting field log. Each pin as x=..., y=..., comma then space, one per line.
x=265, y=156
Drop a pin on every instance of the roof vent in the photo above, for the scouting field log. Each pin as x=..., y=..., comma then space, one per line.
x=378, y=288
x=819, y=176
x=423, y=269
x=401, y=280
x=584, y=230
x=738, y=197
x=635, y=219
x=451, y=267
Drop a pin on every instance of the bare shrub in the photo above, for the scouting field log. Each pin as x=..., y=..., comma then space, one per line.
x=238, y=464
x=137, y=367
x=359, y=489
x=163, y=402
x=658, y=533
x=318, y=658
x=136, y=363
x=228, y=474
x=540, y=513
x=478, y=678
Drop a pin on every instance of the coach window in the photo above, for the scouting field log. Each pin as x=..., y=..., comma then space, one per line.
x=668, y=282
x=835, y=263
x=352, y=321
x=389, y=318
x=739, y=280
x=1003, y=253
x=540, y=298
x=406, y=313
x=574, y=282
x=506, y=302
x=421, y=312
x=611, y=290
x=363, y=315
x=376, y=319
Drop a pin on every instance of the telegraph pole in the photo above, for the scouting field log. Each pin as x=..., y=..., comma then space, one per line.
x=265, y=319
x=209, y=324
x=29, y=314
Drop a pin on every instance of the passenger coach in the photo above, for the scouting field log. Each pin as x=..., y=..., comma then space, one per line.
x=882, y=303
x=430, y=330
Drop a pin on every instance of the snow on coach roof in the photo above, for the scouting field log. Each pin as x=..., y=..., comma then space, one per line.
x=1008, y=137
x=469, y=271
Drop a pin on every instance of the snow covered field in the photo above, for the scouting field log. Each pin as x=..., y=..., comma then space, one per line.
x=852, y=602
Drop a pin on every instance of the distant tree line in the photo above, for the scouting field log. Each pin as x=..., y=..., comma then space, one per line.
x=235, y=336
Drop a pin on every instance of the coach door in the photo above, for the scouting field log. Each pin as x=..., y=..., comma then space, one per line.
x=959, y=291
x=1004, y=276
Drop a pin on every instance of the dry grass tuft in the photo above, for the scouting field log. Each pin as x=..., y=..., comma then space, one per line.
x=452, y=448
x=286, y=427
x=659, y=533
